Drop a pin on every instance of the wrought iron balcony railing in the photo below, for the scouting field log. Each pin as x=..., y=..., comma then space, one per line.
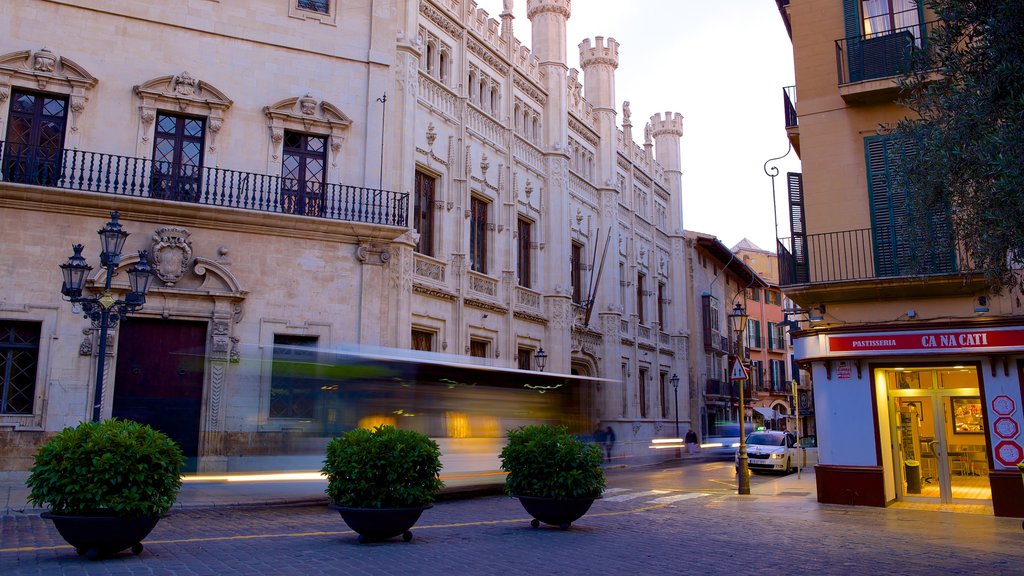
x=881, y=54
x=860, y=255
x=145, y=178
x=789, y=103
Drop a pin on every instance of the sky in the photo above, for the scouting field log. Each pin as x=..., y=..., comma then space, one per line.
x=722, y=64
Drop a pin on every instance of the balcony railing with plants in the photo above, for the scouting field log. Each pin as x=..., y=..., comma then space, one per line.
x=881, y=54
x=145, y=178
x=851, y=255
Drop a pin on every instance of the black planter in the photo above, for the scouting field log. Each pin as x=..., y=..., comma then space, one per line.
x=100, y=536
x=561, y=512
x=380, y=523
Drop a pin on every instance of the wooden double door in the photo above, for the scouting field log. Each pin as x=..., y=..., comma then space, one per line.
x=159, y=378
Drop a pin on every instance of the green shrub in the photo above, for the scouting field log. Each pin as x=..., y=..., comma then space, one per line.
x=546, y=461
x=382, y=468
x=116, y=466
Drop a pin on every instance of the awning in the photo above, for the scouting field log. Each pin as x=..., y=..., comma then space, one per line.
x=768, y=413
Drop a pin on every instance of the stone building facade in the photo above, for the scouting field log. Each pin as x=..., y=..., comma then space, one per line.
x=317, y=172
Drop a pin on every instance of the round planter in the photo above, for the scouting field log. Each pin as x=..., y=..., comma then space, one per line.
x=380, y=523
x=99, y=536
x=561, y=512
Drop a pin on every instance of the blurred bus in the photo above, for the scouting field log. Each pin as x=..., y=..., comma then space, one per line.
x=462, y=403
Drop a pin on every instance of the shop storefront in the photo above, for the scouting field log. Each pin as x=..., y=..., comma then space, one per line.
x=919, y=415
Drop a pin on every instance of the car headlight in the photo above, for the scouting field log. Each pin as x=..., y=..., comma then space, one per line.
x=735, y=444
x=776, y=456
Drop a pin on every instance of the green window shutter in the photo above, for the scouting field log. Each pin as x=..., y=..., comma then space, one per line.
x=799, y=271
x=903, y=245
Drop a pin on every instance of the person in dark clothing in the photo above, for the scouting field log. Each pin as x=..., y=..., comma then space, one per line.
x=609, y=442
x=691, y=441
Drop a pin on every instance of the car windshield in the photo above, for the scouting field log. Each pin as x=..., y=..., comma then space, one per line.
x=767, y=439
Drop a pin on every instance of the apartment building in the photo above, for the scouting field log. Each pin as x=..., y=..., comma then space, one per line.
x=916, y=366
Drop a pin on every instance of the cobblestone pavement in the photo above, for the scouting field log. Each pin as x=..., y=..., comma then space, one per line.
x=627, y=532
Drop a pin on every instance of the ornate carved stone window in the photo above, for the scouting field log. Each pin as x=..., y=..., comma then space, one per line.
x=304, y=114
x=180, y=94
x=45, y=71
x=323, y=11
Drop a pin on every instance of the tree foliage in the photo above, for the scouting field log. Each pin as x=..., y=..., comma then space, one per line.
x=967, y=90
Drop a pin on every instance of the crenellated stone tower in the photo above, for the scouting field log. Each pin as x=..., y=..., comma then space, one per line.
x=599, y=60
x=667, y=131
x=548, y=19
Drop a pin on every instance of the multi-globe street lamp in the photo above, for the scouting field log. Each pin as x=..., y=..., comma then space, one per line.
x=105, y=310
x=738, y=323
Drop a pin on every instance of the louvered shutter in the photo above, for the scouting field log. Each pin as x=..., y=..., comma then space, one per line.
x=798, y=226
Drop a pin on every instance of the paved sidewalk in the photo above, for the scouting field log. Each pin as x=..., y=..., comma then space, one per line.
x=778, y=529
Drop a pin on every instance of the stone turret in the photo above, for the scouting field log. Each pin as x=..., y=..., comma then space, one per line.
x=599, y=61
x=667, y=131
x=548, y=18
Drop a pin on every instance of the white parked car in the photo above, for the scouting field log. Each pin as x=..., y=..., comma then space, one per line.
x=771, y=451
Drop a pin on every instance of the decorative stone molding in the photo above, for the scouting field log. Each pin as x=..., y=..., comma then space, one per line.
x=304, y=114
x=171, y=253
x=44, y=70
x=434, y=292
x=535, y=318
x=529, y=88
x=484, y=305
x=184, y=93
x=535, y=8
x=443, y=22
x=487, y=56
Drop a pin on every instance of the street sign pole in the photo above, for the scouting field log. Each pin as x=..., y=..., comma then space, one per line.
x=739, y=374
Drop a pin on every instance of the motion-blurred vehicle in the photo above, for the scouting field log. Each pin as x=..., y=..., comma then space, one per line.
x=724, y=440
x=771, y=451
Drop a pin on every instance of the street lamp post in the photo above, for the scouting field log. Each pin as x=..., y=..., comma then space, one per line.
x=738, y=321
x=105, y=310
x=675, y=389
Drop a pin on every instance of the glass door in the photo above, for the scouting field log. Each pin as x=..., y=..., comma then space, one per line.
x=938, y=436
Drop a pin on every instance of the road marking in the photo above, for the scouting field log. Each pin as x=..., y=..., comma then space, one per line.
x=634, y=495
x=238, y=537
x=614, y=490
x=677, y=498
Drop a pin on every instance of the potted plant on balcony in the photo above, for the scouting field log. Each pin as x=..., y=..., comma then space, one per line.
x=107, y=484
x=555, y=476
x=381, y=480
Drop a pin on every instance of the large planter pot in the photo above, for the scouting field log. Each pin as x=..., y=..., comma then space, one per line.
x=561, y=512
x=380, y=523
x=99, y=536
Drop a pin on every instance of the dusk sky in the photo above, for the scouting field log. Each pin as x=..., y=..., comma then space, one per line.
x=722, y=65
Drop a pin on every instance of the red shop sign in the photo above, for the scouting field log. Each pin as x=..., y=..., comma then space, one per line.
x=928, y=341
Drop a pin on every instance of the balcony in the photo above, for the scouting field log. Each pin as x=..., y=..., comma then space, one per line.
x=789, y=109
x=144, y=178
x=852, y=262
x=868, y=65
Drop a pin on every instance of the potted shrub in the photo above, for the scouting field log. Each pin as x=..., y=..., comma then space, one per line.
x=555, y=475
x=106, y=484
x=381, y=480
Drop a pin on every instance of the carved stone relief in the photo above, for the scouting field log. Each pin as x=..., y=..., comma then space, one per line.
x=171, y=253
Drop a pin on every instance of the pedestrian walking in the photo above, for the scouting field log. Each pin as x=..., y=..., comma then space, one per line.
x=691, y=441
x=609, y=442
